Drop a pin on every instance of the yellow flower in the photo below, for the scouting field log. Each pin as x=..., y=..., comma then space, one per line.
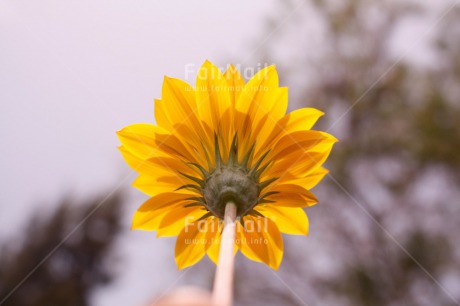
x=226, y=141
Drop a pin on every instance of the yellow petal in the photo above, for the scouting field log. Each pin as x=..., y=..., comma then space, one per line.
x=160, y=115
x=174, y=146
x=177, y=112
x=142, y=166
x=251, y=241
x=299, y=153
x=150, y=220
x=146, y=141
x=212, y=95
x=235, y=83
x=297, y=164
x=289, y=220
x=192, y=243
x=178, y=103
x=298, y=120
x=258, y=101
x=260, y=240
x=152, y=184
x=254, y=92
x=166, y=199
x=139, y=139
x=266, y=119
x=149, y=214
x=215, y=106
x=308, y=181
x=254, y=252
x=271, y=108
x=301, y=119
x=274, y=242
x=292, y=189
x=289, y=199
x=243, y=127
x=176, y=219
x=294, y=160
x=301, y=140
x=158, y=166
x=198, y=143
x=174, y=166
x=214, y=248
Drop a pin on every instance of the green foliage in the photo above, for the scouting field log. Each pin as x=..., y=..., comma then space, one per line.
x=62, y=257
x=385, y=230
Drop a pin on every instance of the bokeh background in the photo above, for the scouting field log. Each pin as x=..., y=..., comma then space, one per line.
x=387, y=74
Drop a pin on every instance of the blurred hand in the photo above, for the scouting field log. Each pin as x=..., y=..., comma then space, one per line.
x=185, y=296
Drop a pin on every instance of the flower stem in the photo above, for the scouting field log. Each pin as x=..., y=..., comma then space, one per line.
x=223, y=282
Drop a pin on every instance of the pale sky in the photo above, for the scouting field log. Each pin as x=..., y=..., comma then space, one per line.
x=72, y=73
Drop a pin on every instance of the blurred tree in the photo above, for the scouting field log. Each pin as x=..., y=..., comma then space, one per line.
x=385, y=232
x=63, y=257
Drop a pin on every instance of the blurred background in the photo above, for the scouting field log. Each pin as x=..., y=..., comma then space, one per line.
x=387, y=74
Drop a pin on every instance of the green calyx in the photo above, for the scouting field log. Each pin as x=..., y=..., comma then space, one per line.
x=232, y=181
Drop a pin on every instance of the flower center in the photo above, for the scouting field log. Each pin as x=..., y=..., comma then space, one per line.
x=234, y=184
x=231, y=181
